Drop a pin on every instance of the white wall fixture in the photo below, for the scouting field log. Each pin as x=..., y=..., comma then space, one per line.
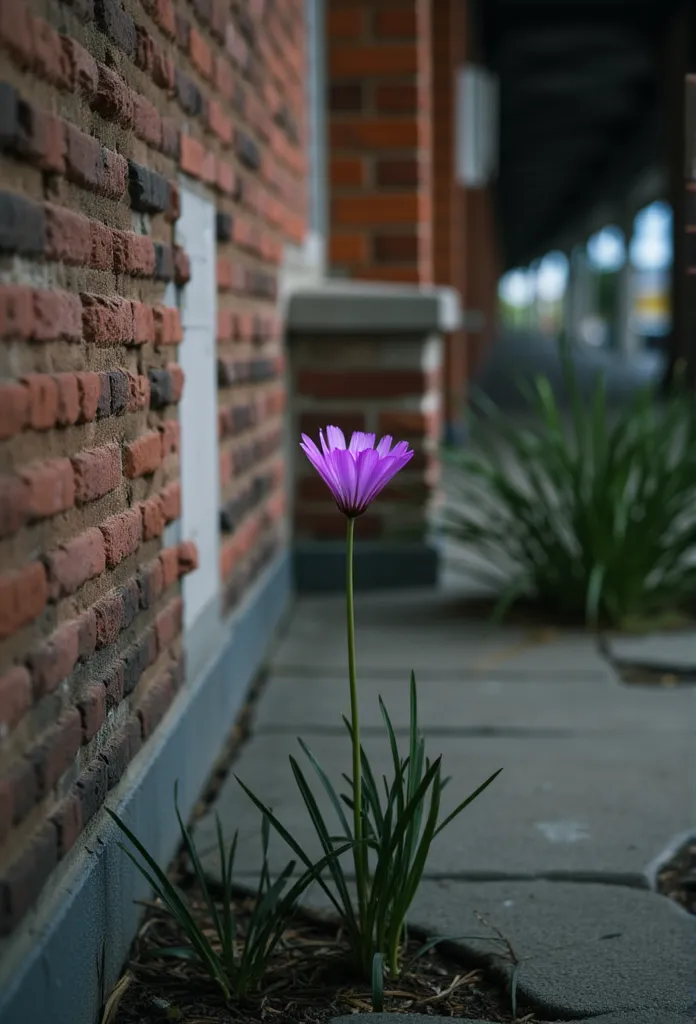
x=200, y=486
x=476, y=128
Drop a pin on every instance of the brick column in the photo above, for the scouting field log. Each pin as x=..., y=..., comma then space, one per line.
x=366, y=359
x=380, y=140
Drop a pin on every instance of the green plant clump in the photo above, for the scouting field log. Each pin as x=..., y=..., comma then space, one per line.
x=591, y=516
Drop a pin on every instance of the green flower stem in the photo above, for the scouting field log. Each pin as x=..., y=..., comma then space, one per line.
x=359, y=851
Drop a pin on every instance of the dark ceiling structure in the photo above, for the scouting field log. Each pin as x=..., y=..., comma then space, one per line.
x=582, y=114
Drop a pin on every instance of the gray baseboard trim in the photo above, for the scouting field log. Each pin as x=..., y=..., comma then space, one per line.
x=321, y=566
x=69, y=952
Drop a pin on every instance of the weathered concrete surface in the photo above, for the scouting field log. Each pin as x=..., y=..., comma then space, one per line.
x=565, y=805
x=584, y=949
x=305, y=704
x=407, y=630
x=666, y=652
x=598, y=778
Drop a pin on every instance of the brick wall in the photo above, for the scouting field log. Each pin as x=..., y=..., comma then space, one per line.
x=387, y=384
x=103, y=104
x=379, y=139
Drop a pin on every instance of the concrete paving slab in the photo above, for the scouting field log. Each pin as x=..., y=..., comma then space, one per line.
x=584, y=949
x=578, y=806
x=431, y=633
x=309, y=704
x=667, y=652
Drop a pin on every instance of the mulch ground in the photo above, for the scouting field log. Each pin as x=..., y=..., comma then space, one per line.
x=678, y=878
x=308, y=983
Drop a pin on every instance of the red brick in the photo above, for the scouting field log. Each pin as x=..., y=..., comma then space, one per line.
x=92, y=707
x=68, y=399
x=168, y=624
x=167, y=325
x=101, y=246
x=169, y=559
x=369, y=210
x=43, y=400
x=147, y=123
x=107, y=321
x=122, y=536
x=109, y=612
x=143, y=323
x=349, y=248
x=133, y=254
x=396, y=23
x=188, y=557
x=362, y=383
x=397, y=173
x=153, y=518
x=75, y=562
x=56, y=750
x=347, y=171
x=16, y=312
x=56, y=315
x=84, y=161
x=50, y=488
x=114, y=684
x=89, y=387
x=182, y=267
x=174, y=211
x=50, y=61
x=219, y=123
x=97, y=472
x=54, y=660
x=139, y=392
x=153, y=703
x=200, y=53
x=68, y=236
x=143, y=455
x=83, y=71
x=345, y=22
x=113, y=98
x=224, y=78
x=171, y=501
x=170, y=437
x=163, y=13
x=401, y=98
x=67, y=819
x=191, y=156
x=17, y=32
x=14, y=409
x=356, y=61
x=178, y=379
x=163, y=71
x=151, y=581
x=15, y=697
x=22, y=880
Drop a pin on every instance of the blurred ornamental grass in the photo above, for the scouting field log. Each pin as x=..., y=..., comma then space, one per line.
x=590, y=517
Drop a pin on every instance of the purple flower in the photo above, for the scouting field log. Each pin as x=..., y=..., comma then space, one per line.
x=357, y=473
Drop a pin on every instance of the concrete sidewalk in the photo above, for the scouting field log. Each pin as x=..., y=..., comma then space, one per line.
x=559, y=853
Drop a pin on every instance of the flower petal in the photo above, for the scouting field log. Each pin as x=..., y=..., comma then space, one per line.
x=388, y=467
x=367, y=464
x=346, y=474
x=384, y=445
x=360, y=442
x=322, y=465
x=335, y=438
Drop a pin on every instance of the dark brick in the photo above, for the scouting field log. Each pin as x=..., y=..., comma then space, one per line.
x=130, y=595
x=92, y=707
x=151, y=583
x=117, y=25
x=84, y=9
x=22, y=225
x=346, y=96
x=113, y=684
x=91, y=789
x=23, y=880
x=188, y=94
x=203, y=9
x=104, y=403
x=224, y=226
x=135, y=661
x=87, y=634
x=9, y=126
x=170, y=137
x=119, y=387
x=248, y=152
x=164, y=262
x=56, y=751
x=116, y=755
x=25, y=788
x=183, y=31
x=149, y=191
x=160, y=388
x=67, y=819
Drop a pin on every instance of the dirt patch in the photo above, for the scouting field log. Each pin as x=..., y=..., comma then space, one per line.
x=308, y=982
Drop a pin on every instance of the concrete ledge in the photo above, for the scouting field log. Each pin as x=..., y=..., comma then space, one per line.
x=357, y=308
x=70, y=950
x=321, y=565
